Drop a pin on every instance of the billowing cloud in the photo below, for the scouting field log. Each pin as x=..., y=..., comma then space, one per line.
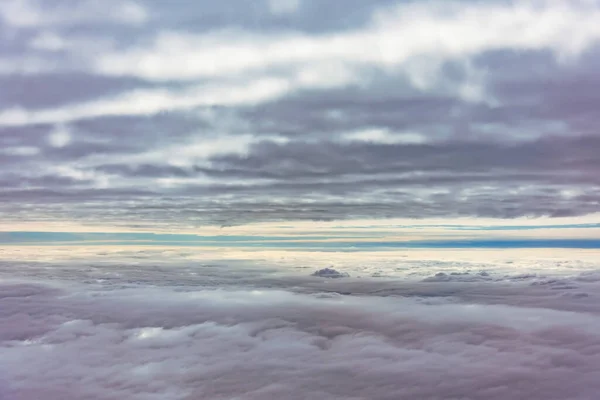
x=80, y=326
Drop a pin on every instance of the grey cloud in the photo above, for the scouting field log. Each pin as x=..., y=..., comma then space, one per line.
x=8, y=182
x=570, y=159
x=329, y=180
x=96, y=137
x=528, y=147
x=537, y=89
x=311, y=17
x=22, y=136
x=324, y=114
x=145, y=170
x=166, y=330
x=148, y=130
x=206, y=207
x=60, y=88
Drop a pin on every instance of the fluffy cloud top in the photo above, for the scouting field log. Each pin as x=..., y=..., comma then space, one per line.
x=179, y=330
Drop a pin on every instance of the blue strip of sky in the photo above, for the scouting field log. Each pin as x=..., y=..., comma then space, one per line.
x=64, y=238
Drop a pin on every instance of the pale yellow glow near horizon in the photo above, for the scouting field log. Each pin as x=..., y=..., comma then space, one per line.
x=390, y=229
x=307, y=257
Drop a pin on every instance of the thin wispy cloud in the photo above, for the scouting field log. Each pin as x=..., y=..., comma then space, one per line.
x=140, y=113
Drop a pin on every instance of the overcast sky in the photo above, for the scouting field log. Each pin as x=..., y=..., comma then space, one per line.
x=179, y=114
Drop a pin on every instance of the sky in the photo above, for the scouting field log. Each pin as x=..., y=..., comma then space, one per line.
x=299, y=199
x=218, y=117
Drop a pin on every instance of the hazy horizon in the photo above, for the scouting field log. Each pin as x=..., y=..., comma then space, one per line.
x=299, y=200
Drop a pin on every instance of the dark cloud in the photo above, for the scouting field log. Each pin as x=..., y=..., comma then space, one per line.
x=325, y=114
x=506, y=131
x=11, y=182
x=149, y=130
x=561, y=155
x=59, y=89
x=362, y=180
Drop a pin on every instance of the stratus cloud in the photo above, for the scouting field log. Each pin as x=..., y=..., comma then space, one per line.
x=384, y=136
x=177, y=341
x=469, y=109
x=435, y=31
x=282, y=7
x=59, y=137
x=411, y=40
x=152, y=101
x=37, y=13
x=48, y=41
x=195, y=152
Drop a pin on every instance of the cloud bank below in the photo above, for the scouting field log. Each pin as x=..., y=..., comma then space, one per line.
x=184, y=330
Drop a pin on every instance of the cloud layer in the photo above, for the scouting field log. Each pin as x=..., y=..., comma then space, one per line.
x=148, y=324
x=139, y=113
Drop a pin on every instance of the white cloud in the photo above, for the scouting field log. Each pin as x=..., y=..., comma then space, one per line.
x=412, y=40
x=20, y=150
x=27, y=65
x=153, y=101
x=324, y=76
x=430, y=32
x=59, y=137
x=282, y=7
x=20, y=13
x=48, y=41
x=200, y=148
x=384, y=136
x=162, y=337
x=88, y=177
